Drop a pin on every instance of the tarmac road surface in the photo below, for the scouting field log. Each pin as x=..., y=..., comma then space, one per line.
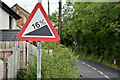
x=91, y=70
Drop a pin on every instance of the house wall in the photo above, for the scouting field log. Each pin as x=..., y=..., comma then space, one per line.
x=20, y=22
x=14, y=23
x=0, y=17
x=4, y=20
x=23, y=19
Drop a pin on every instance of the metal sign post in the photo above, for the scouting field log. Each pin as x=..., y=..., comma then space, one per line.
x=38, y=60
x=39, y=56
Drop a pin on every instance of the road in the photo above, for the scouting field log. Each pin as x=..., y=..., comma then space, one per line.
x=91, y=70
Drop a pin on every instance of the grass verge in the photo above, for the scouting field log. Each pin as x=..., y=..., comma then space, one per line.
x=106, y=61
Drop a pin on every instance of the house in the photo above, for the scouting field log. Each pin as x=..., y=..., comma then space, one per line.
x=7, y=17
x=8, y=23
x=23, y=13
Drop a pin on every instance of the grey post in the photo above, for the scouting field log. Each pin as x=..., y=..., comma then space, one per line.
x=39, y=56
x=38, y=60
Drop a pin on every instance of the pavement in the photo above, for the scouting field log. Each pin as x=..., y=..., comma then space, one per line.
x=91, y=70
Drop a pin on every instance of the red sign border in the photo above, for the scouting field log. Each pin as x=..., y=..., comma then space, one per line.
x=19, y=36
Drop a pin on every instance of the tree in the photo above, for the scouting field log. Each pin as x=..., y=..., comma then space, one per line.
x=95, y=29
x=54, y=18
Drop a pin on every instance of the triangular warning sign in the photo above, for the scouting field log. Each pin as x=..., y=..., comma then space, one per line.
x=38, y=27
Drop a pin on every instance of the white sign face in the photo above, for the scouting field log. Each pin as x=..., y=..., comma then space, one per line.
x=38, y=27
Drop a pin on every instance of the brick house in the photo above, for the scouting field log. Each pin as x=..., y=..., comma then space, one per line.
x=23, y=13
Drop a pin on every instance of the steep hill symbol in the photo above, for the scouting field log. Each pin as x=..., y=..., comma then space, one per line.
x=43, y=31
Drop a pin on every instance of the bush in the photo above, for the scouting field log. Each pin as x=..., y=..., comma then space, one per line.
x=59, y=65
x=20, y=75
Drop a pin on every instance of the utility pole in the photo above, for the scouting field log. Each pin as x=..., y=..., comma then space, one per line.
x=48, y=9
x=60, y=17
x=39, y=55
x=40, y=1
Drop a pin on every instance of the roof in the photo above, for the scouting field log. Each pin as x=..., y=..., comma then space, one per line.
x=16, y=5
x=9, y=10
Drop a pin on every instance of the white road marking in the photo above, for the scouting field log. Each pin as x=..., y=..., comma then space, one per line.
x=106, y=76
x=100, y=72
x=88, y=65
x=94, y=68
x=83, y=62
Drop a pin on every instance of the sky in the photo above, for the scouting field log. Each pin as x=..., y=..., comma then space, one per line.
x=30, y=4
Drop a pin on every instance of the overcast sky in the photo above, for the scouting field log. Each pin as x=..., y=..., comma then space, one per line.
x=30, y=4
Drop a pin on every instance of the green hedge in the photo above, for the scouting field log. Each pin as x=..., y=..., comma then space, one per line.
x=59, y=65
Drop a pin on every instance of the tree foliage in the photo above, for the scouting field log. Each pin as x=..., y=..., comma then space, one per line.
x=95, y=27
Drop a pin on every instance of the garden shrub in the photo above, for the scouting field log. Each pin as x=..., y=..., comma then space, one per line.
x=59, y=65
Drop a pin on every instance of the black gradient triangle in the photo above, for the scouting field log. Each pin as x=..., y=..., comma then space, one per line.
x=43, y=31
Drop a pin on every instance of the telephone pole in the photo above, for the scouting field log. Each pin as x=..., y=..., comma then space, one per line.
x=48, y=9
x=60, y=17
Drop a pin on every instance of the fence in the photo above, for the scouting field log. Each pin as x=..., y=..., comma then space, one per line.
x=32, y=50
x=1, y=69
x=14, y=56
x=13, y=63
